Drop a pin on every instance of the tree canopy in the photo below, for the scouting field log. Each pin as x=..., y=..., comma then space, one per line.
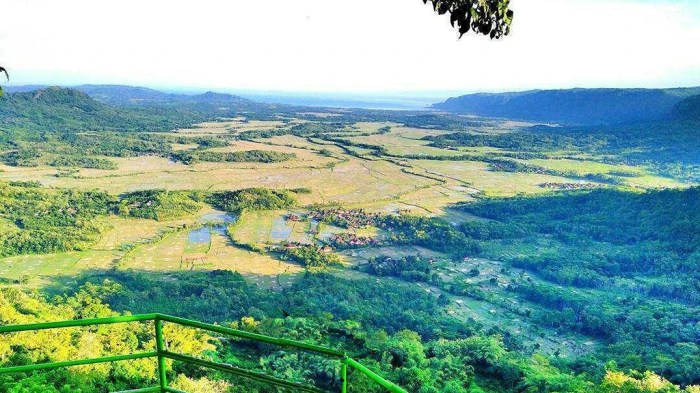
x=3, y=70
x=487, y=17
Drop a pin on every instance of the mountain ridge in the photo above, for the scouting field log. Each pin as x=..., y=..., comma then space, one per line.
x=124, y=95
x=572, y=106
x=115, y=108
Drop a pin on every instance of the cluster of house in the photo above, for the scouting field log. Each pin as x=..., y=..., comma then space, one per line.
x=351, y=240
x=569, y=186
x=295, y=217
x=349, y=218
x=325, y=249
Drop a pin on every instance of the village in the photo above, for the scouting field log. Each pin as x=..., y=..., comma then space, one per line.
x=347, y=218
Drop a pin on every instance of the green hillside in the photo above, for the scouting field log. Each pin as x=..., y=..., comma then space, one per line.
x=575, y=106
x=688, y=109
x=57, y=109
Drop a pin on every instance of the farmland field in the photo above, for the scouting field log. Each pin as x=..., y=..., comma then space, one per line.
x=362, y=179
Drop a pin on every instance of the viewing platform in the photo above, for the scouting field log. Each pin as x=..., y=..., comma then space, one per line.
x=161, y=353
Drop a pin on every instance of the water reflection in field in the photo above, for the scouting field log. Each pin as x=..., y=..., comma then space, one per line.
x=214, y=223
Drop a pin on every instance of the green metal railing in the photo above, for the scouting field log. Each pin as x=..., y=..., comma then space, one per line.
x=161, y=353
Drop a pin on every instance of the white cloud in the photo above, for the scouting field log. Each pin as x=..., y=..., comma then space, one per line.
x=358, y=45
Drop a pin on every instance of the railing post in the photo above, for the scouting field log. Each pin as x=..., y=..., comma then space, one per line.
x=160, y=349
x=343, y=376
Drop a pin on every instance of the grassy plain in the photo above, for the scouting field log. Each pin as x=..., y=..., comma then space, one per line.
x=378, y=183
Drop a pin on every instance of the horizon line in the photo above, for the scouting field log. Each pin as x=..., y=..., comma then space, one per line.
x=414, y=94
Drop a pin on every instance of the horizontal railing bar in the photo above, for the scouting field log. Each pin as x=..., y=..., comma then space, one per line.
x=253, y=336
x=76, y=323
x=373, y=376
x=241, y=372
x=155, y=389
x=173, y=390
x=177, y=320
x=72, y=363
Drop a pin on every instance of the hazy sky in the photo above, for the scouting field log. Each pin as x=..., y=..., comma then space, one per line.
x=350, y=45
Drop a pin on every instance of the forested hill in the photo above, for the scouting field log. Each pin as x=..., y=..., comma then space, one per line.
x=573, y=106
x=61, y=109
x=688, y=109
x=130, y=95
x=116, y=108
x=124, y=95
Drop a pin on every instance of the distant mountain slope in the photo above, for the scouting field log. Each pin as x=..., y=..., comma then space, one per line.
x=131, y=95
x=23, y=88
x=574, y=106
x=118, y=108
x=688, y=109
x=58, y=109
x=123, y=95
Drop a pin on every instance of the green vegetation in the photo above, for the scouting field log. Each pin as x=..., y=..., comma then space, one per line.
x=252, y=199
x=433, y=233
x=688, y=109
x=69, y=344
x=311, y=256
x=429, y=232
x=417, y=345
x=22, y=156
x=601, y=240
x=670, y=148
x=411, y=268
x=345, y=218
x=262, y=156
x=635, y=228
x=573, y=106
x=160, y=205
x=83, y=162
x=56, y=109
x=491, y=17
x=38, y=220
x=77, y=150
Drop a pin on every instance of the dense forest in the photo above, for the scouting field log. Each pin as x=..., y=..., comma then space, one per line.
x=688, y=109
x=600, y=240
x=417, y=346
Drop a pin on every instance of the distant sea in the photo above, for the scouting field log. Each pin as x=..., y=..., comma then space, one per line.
x=389, y=101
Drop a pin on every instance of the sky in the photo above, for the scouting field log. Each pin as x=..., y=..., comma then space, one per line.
x=350, y=46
